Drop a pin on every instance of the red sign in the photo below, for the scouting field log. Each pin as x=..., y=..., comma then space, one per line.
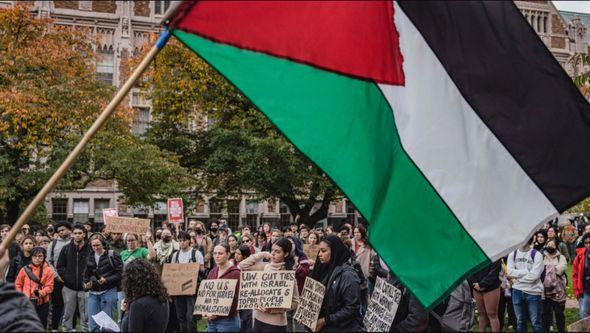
x=175, y=210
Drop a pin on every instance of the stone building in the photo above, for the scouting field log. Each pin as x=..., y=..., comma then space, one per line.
x=121, y=28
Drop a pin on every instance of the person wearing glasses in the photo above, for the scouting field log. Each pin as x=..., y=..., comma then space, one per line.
x=36, y=282
x=247, y=241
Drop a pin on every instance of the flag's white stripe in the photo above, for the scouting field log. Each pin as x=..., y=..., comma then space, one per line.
x=492, y=196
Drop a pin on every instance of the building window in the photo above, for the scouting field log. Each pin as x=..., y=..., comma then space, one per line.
x=81, y=210
x=99, y=206
x=285, y=214
x=160, y=7
x=159, y=219
x=233, y=213
x=141, y=121
x=105, y=65
x=59, y=210
x=215, y=206
x=350, y=212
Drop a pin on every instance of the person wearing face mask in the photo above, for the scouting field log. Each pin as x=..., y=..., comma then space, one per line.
x=581, y=276
x=554, y=283
x=552, y=235
x=204, y=244
x=164, y=249
x=213, y=227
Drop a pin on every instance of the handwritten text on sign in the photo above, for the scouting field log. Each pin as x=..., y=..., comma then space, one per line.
x=215, y=297
x=382, y=307
x=118, y=224
x=180, y=279
x=269, y=290
x=310, y=303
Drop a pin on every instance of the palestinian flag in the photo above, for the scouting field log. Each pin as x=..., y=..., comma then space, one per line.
x=449, y=125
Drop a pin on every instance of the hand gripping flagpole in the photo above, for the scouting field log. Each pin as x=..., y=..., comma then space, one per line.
x=96, y=126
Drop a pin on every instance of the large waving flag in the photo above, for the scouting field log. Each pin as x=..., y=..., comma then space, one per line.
x=449, y=125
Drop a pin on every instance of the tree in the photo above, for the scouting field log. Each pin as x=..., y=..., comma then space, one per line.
x=581, y=75
x=237, y=149
x=49, y=97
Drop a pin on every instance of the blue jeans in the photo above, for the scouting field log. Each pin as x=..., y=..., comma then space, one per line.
x=527, y=307
x=231, y=324
x=106, y=302
x=584, y=306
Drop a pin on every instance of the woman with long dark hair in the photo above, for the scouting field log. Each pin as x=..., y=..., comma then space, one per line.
x=224, y=269
x=280, y=258
x=302, y=269
x=341, y=306
x=146, y=299
x=244, y=251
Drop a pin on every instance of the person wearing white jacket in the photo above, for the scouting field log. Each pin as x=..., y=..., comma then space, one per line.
x=525, y=266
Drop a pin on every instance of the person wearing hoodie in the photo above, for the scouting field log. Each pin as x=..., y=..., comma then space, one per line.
x=104, y=269
x=36, y=282
x=485, y=286
x=224, y=269
x=581, y=276
x=554, y=296
x=525, y=266
x=280, y=259
x=64, y=229
x=340, y=309
x=70, y=267
x=17, y=314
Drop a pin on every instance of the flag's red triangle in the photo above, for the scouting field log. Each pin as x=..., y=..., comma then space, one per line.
x=356, y=38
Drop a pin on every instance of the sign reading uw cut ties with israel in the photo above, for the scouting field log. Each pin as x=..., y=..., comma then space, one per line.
x=175, y=210
x=131, y=225
x=310, y=303
x=269, y=290
x=382, y=307
x=180, y=279
x=215, y=297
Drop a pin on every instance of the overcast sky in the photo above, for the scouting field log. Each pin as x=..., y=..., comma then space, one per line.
x=573, y=6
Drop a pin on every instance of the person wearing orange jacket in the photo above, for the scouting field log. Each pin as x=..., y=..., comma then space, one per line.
x=581, y=276
x=36, y=282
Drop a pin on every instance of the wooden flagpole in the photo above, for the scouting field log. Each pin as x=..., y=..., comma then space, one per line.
x=98, y=123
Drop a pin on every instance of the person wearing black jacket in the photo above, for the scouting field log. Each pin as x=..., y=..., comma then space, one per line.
x=17, y=314
x=411, y=315
x=340, y=309
x=104, y=269
x=486, y=291
x=70, y=267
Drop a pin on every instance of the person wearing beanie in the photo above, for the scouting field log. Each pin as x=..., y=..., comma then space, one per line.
x=36, y=282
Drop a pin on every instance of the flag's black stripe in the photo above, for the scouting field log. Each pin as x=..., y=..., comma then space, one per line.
x=518, y=89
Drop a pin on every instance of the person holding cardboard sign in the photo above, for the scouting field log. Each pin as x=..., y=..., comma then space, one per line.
x=341, y=307
x=281, y=258
x=224, y=269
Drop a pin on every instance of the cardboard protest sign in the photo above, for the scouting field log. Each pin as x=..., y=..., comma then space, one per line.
x=310, y=303
x=215, y=297
x=311, y=251
x=382, y=307
x=180, y=279
x=175, y=210
x=270, y=290
x=109, y=212
x=118, y=224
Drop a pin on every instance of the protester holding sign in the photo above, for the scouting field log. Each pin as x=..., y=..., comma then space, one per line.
x=146, y=299
x=186, y=303
x=103, y=273
x=302, y=269
x=224, y=269
x=341, y=306
x=280, y=259
x=36, y=282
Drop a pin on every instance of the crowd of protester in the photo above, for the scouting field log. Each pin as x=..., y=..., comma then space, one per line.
x=69, y=274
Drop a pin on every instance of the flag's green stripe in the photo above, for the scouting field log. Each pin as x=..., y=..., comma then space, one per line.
x=347, y=128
